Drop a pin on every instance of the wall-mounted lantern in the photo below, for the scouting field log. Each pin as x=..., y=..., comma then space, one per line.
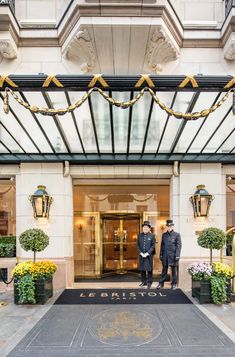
x=201, y=201
x=41, y=202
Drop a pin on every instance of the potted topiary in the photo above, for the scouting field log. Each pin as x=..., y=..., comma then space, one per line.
x=33, y=280
x=35, y=240
x=212, y=238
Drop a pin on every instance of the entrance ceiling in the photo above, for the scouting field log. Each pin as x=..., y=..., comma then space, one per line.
x=98, y=132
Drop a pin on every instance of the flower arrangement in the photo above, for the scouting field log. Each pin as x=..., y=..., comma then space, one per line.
x=220, y=281
x=222, y=269
x=218, y=274
x=38, y=270
x=200, y=271
x=27, y=273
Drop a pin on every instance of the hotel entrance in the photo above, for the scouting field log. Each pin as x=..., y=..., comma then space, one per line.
x=107, y=220
x=119, y=243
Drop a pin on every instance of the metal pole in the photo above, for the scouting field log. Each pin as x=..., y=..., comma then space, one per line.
x=121, y=270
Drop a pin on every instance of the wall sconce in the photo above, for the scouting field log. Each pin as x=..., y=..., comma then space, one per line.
x=41, y=202
x=80, y=226
x=201, y=201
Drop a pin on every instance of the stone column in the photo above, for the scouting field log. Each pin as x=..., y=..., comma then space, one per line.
x=182, y=188
x=59, y=226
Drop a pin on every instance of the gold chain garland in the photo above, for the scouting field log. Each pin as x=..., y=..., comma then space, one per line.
x=112, y=101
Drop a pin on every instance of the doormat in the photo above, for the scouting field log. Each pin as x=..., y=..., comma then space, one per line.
x=122, y=296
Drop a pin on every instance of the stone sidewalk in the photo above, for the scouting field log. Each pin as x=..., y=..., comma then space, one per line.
x=174, y=334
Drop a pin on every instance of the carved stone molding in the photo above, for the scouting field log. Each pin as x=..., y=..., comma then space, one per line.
x=160, y=50
x=7, y=50
x=81, y=50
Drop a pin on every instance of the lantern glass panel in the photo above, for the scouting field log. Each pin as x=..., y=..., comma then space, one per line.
x=204, y=206
x=38, y=206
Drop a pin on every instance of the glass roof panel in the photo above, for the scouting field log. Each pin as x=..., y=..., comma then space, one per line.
x=84, y=123
x=120, y=121
x=102, y=121
x=210, y=126
x=139, y=121
x=181, y=104
x=157, y=123
x=15, y=128
x=9, y=141
x=47, y=122
x=66, y=121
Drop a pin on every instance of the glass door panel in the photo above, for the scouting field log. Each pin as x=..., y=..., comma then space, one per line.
x=86, y=243
x=119, y=244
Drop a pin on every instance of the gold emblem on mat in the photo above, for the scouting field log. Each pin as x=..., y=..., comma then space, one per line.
x=125, y=324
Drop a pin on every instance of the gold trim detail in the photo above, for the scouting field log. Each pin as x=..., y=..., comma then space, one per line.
x=144, y=78
x=230, y=83
x=189, y=79
x=52, y=78
x=97, y=78
x=4, y=78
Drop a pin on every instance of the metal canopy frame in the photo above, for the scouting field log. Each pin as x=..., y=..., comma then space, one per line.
x=80, y=83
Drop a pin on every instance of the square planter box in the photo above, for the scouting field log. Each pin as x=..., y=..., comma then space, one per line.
x=43, y=291
x=201, y=289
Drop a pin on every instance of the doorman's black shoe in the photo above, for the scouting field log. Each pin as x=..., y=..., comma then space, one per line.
x=142, y=284
x=149, y=286
x=160, y=286
x=173, y=286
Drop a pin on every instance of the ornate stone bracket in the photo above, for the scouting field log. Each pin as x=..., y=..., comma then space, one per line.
x=7, y=50
x=160, y=50
x=80, y=49
x=229, y=50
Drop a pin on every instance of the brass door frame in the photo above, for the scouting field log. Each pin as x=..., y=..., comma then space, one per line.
x=115, y=215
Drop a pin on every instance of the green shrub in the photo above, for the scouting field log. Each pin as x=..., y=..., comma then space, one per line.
x=212, y=238
x=7, y=246
x=34, y=239
x=26, y=288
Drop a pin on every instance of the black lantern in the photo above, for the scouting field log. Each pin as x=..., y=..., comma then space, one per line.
x=41, y=202
x=201, y=201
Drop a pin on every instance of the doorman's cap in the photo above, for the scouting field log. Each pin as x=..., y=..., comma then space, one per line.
x=146, y=223
x=170, y=222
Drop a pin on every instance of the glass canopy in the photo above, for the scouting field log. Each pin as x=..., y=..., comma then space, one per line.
x=98, y=131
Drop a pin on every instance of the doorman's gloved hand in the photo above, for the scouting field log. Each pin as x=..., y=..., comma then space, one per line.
x=177, y=259
x=142, y=254
x=145, y=255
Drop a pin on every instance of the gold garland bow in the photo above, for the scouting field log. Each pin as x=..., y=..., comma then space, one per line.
x=112, y=101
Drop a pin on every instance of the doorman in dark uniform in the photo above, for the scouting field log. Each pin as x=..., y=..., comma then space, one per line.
x=146, y=249
x=169, y=254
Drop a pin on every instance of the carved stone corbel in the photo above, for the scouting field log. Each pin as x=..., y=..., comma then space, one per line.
x=81, y=49
x=160, y=50
x=7, y=50
x=229, y=50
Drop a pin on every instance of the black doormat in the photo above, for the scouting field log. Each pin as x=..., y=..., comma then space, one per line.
x=115, y=278
x=122, y=296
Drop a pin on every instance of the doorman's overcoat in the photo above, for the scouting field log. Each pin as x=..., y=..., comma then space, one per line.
x=170, y=248
x=146, y=244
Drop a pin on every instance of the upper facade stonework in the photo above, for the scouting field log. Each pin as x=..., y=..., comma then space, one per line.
x=93, y=33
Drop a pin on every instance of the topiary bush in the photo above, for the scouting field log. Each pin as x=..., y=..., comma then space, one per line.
x=35, y=240
x=212, y=238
